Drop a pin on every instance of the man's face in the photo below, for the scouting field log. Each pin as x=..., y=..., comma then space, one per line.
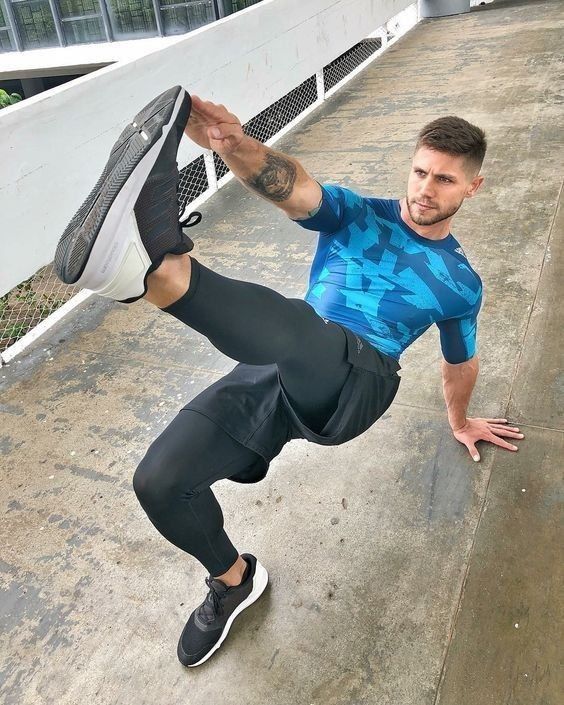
x=439, y=181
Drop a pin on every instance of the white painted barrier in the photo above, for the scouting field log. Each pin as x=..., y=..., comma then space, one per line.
x=54, y=145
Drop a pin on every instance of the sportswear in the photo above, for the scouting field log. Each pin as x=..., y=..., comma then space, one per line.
x=374, y=274
x=130, y=219
x=210, y=623
x=252, y=406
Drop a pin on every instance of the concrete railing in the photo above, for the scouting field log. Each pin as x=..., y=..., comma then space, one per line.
x=53, y=146
x=271, y=64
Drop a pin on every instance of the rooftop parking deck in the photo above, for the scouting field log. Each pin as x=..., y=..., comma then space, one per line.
x=438, y=583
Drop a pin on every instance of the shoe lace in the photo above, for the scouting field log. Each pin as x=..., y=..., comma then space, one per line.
x=212, y=606
x=188, y=221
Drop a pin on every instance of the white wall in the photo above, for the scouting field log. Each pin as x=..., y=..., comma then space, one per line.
x=53, y=146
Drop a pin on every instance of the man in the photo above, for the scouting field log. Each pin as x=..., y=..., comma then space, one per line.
x=323, y=368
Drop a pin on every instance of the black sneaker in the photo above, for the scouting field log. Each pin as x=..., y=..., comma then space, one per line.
x=209, y=623
x=130, y=219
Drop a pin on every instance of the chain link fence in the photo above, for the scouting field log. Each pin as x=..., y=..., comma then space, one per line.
x=33, y=300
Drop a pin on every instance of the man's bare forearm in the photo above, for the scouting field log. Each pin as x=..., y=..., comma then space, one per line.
x=273, y=175
x=458, y=383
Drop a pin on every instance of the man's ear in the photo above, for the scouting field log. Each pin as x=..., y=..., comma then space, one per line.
x=474, y=186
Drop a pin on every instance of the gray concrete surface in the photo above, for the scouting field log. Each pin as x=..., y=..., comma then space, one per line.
x=410, y=595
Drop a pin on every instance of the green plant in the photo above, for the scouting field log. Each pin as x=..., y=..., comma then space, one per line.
x=8, y=99
x=3, y=304
x=14, y=331
x=49, y=304
x=25, y=292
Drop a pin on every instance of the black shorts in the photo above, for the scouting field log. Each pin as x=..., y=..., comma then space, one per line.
x=250, y=404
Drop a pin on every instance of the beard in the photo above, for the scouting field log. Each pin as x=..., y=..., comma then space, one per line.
x=431, y=217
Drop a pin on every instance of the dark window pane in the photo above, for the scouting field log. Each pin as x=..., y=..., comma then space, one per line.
x=231, y=6
x=78, y=8
x=54, y=81
x=132, y=18
x=35, y=22
x=184, y=17
x=84, y=31
x=5, y=43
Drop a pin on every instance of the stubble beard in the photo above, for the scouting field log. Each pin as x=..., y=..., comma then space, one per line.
x=436, y=216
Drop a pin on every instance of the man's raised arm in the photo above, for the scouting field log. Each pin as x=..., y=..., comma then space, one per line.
x=274, y=176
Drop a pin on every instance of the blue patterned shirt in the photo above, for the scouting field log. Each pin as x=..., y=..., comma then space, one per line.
x=374, y=274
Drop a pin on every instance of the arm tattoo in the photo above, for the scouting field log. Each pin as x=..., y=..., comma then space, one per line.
x=276, y=179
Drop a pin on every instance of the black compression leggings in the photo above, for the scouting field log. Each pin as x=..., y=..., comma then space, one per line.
x=256, y=325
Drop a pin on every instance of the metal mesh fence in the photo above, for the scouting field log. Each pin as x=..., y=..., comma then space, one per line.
x=193, y=182
x=340, y=68
x=30, y=302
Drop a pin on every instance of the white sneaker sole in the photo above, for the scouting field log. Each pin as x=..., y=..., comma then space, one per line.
x=260, y=582
x=118, y=261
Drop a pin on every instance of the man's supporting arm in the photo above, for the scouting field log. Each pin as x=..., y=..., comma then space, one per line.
x=458, y=383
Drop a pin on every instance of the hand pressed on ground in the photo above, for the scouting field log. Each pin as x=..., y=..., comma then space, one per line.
x=478, y=429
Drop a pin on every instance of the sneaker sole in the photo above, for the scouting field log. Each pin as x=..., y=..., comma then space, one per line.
x=260, y=582
x=101, y=248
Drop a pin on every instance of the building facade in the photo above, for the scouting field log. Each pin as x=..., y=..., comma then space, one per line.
x=37, y=24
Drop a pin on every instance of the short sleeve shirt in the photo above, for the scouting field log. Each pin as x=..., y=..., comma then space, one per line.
x=372, y=273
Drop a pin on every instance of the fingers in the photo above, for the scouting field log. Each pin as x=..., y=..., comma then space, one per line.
x=199, y=105
x=206, y=110
x=504, y=444
x=224, y=139
x=507, y=432
x=473, y=451
x=222, y=131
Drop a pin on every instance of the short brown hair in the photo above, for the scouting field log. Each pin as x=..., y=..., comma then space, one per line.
x=457, y=137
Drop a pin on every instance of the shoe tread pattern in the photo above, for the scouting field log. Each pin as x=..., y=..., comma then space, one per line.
x=78, y=238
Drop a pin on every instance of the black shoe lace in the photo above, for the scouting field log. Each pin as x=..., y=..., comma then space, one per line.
x=212, y=606
x=188, y=221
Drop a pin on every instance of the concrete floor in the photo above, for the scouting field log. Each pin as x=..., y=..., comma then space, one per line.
x=438, y=583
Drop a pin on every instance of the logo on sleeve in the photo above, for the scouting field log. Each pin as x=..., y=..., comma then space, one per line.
x=460, y=251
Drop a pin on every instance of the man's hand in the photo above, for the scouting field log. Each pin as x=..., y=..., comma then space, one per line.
x=486, y=430
x=213, y=127
x=272, y=175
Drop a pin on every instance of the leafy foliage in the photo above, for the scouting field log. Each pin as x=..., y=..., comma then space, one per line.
x=8, y=99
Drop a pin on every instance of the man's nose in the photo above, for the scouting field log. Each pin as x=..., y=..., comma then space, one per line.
x=426, y=188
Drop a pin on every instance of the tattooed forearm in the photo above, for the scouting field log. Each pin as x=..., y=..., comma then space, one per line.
x=276, y=179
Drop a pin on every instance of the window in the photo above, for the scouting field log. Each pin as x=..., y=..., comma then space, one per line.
x=5, y=38
x=180, y=17
x=35, y=23
x=82, y=21
x=132, y=18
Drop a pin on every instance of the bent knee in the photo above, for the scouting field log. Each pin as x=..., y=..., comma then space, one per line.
x=157, y=480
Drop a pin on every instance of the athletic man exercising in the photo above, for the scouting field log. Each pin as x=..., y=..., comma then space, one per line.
x=323, y=368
